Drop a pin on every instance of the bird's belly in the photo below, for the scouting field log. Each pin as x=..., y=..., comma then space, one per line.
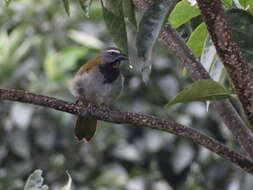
x=93, y=88
x=103, y=93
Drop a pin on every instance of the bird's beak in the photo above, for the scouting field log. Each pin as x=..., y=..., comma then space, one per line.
x=122, y=57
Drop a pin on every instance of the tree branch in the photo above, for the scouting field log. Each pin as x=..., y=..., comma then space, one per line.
x=229, y=52
x=130, y=118
x=224, y=108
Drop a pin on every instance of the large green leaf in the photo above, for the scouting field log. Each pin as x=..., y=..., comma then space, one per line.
x=116, y=25
x=182, y=13
x=150, y=27
x=66, y=6
x=197, y=39
x=85, y=5
x=241, y=23
x=129, y=13
x=202, y=90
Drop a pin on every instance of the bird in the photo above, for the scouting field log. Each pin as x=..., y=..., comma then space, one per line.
x=99, y=81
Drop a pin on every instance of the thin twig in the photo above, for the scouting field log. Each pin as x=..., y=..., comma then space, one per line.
x=130, y=118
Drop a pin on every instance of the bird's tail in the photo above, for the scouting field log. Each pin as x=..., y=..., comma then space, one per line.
x=85, y=128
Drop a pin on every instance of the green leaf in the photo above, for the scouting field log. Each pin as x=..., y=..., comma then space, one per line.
x=197, y=39
x=116, y=25
x=212, y=63
x=182, y=13
x=242, y=30
x=35, y=181
x=202, y=90
x=129, y=13
x=66, y=6
x=149, y=29
x=85, y=5
x=248, y=5
x=228, y=2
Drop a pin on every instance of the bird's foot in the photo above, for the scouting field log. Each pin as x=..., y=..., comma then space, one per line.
x=81, y=101
x=101, y=110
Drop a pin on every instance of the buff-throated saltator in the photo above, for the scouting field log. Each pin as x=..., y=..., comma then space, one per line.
x=99, y=82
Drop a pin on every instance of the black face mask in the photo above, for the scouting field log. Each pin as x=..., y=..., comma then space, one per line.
x=110, y=72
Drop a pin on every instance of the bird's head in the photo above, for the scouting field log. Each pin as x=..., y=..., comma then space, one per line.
x=110, y=62
x=113, y=56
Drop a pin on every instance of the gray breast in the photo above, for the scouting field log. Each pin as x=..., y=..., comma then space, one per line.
x=92, y=86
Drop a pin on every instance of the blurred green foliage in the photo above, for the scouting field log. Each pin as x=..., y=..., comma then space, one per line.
x=41, y=47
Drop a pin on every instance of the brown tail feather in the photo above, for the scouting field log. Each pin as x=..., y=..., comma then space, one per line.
x=85, y=128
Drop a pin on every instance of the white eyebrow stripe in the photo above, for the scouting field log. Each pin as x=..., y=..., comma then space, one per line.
x=113, y=50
